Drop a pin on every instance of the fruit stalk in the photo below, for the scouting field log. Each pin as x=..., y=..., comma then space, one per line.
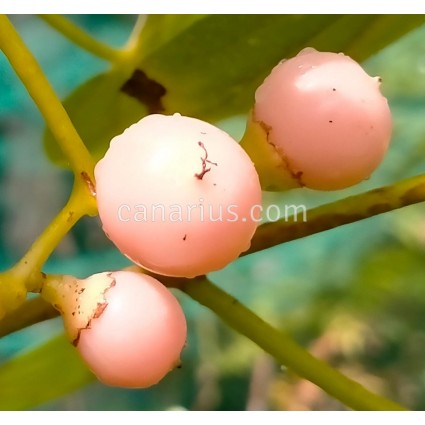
x=285, y=350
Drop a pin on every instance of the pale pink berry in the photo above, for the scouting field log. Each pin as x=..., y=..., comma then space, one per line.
x=325, y=117
x=128, y=327
x=178, y=196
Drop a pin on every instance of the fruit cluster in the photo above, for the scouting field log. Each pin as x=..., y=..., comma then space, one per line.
x=177, y=196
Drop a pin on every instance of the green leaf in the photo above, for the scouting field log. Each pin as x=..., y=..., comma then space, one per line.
x=161, y=29
x=99, y=110
x=211, y=65
x=50, y=371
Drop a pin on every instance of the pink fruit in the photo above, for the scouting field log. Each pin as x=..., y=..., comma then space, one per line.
x=177, y=195
x=326, y=122
x=128, y=327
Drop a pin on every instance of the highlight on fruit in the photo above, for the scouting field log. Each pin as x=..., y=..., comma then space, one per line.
x=176, y=195
x=319, y=121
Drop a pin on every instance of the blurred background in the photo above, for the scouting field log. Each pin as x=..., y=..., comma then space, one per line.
x=355, y=296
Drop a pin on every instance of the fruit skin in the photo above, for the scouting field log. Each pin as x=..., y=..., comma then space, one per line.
x=324, y=120
x=178, y=162
x=138, y=337
x=127, y=326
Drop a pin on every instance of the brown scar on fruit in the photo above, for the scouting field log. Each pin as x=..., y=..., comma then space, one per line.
x=184, y=237
x=99, y=310
x=78, y=310
x=296, y=175
x=145, y=90
x=96, y=313
x=204, y=161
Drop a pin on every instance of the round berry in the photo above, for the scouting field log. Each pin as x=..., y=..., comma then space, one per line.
x=128, y=327
x=325, y=118
x=178, y=196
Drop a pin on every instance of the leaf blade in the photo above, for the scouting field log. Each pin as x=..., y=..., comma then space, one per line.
x=45, y=373
x=210, y=65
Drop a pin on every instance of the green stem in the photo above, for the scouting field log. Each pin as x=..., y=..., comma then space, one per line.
x=26, y=275
x=286, y=351
x=81, y=38
x=136, y=37
x=349, y=210
x=31, y=312
x=37, y=85
x=29, y=267
x=277, y=343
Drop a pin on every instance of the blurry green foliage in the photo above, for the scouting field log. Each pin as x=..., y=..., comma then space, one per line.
x=357, y=292
x=48, y=372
